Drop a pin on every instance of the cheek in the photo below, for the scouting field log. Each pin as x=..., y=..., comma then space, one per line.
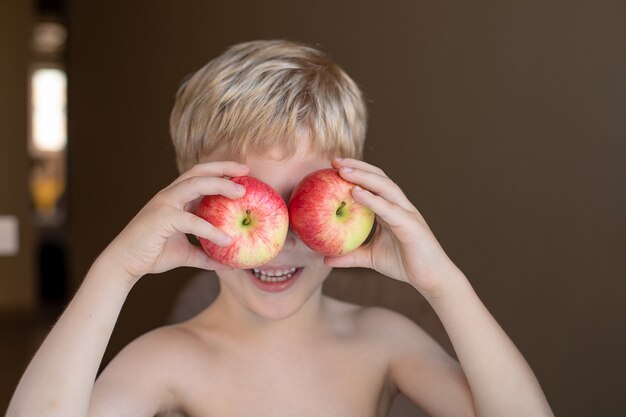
x=230, y=278
x=227, y=274
x=318, y=268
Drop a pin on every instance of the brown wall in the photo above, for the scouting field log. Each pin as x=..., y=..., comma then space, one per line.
x=504, y=124
x=17, y=284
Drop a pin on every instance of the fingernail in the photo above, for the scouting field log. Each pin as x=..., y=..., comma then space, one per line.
x=241, y=188
x=338, y=159
x=358, y=189
x=346, y=169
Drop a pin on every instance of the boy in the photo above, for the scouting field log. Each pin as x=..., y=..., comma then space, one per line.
x=275, y=110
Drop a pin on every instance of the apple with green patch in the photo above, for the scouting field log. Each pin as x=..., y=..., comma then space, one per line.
x=323, y=213
x=258, y=223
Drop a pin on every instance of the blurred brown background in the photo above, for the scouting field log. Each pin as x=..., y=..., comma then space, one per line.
x=504, y=122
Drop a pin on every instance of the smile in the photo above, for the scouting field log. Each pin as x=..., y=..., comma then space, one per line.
x=274, y=280
x=274, y=276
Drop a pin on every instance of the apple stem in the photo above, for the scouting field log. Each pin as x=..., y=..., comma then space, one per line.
x=338, y=212
x=247, y=220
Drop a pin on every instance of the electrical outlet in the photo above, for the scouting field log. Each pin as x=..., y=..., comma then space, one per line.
x=9, y=236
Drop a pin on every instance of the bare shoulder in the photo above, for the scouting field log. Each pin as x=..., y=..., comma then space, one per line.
x=378, y=324
x=141, y=377
x=418, y=366
x=400, y=338
x=401, y=335
x=380, y=318
x=176, y=349
x=387, y=325
x=160, y=344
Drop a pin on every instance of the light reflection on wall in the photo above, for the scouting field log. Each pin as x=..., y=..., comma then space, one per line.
x=49, y=122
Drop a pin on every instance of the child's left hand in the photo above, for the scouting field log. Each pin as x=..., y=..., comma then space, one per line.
x=403, y=246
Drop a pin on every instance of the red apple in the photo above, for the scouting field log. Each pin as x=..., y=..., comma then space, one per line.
x=324, y=215
x=257, y=222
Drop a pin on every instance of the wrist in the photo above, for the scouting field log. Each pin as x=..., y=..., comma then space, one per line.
x=111, y=268
x=451, y=283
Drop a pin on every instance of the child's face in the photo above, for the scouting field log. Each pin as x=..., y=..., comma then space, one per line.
x=239, y=285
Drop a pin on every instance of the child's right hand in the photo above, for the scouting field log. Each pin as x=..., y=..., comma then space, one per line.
x=154, y=241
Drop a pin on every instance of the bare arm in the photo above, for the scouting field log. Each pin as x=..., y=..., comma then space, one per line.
x=140, y=380
x=420, y=368
x=60, y=378
x=501, y=381
x=404, y=248
x=492, y=379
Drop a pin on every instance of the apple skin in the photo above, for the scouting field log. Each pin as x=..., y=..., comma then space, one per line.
x=256, y=242
x=316, y=214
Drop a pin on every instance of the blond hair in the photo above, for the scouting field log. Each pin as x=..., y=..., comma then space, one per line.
x=260, y=94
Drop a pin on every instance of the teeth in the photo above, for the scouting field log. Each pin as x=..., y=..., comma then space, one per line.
x=274, y=275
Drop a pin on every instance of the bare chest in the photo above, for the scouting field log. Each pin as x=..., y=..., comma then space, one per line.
x=339, y=381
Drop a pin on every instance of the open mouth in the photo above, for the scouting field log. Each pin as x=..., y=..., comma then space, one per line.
x=274, y=280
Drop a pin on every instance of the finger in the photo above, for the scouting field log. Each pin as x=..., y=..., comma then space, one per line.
x=213, y=169
x=189, y=223
x=391, y=214
x=377, y=184
x=361, y=257
x=198, y=258
x=193, y=188
x=355, y=163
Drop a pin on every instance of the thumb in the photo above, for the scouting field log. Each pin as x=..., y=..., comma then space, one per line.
x=360, y=257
